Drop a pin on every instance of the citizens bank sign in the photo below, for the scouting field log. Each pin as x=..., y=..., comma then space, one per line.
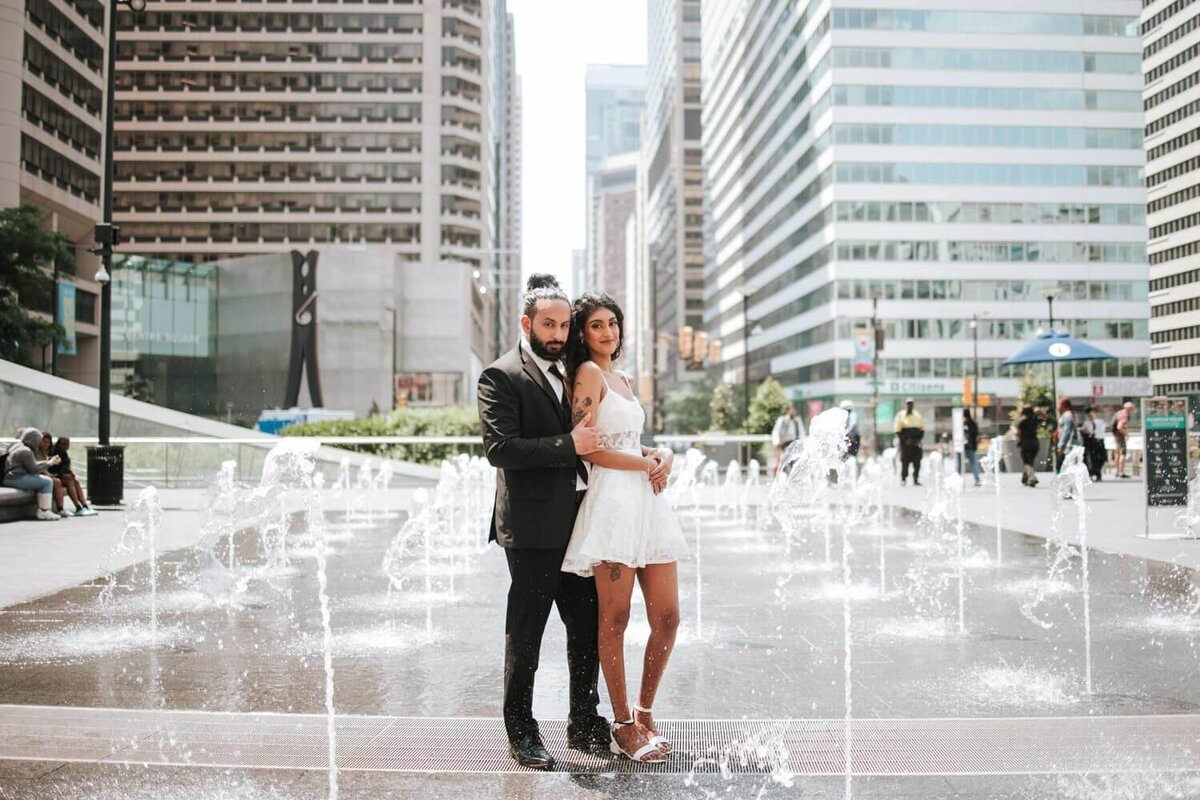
x=922, y=386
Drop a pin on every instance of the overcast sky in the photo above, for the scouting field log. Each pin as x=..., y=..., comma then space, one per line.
x=555, y=43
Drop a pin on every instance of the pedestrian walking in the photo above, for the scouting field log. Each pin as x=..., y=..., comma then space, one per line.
x=1027, y=445
x=1120, y=431
x=971, y=444
x=788, y=428
x=1066, y=433
x=910, y=430
x=1094, y=454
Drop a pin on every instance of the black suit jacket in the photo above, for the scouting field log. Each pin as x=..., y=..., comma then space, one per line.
x=526, y=436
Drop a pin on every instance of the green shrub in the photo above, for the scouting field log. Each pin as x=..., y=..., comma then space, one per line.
x=442, y=421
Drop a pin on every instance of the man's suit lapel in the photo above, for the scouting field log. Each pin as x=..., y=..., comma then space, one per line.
x=537, y=376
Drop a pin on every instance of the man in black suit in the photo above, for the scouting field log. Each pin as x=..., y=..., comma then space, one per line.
x=528, y=437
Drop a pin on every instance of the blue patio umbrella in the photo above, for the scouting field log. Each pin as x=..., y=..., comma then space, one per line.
x=1056, y=346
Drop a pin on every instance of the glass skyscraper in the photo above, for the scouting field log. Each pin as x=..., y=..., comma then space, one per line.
x=953, y=164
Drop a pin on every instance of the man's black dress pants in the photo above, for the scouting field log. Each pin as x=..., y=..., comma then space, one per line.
x=537, y=583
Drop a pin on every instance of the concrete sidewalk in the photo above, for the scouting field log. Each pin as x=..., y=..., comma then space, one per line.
x=41, y=558
x=1116, y=514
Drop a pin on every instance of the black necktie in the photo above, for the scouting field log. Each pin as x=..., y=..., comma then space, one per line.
x=563, y=400
x=580, y=469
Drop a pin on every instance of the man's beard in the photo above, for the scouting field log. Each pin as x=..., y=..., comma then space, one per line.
x=540, y=349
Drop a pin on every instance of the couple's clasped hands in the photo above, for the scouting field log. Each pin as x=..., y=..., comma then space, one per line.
x=658, y=462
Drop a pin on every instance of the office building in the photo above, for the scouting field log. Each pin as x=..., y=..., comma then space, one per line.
x=673, y=190
x=1170, y=49
x=955, y=163
x=613, y=97
x=263, y=129
x=51, y=151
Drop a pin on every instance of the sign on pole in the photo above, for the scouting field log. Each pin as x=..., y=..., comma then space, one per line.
x=1165, y=421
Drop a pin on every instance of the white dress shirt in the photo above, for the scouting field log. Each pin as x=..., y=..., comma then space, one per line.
x=556, y=384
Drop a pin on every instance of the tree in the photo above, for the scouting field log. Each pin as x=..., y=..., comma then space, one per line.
x=26, y=249
x=722, y=408
x=1035, y=391
x=768, y=404
x=687, y=410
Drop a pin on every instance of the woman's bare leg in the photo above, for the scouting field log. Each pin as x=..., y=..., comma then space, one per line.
x=660, y=587
x=71, y=486
x=614, y=588
x=58, y=493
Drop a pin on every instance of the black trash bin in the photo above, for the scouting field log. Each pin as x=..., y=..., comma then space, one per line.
x=105, y=474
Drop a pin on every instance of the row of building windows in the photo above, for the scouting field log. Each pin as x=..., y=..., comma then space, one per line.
x=1002, y=213
x=733, y=200
x=1013, y=252
x=61, y=75
x=890, y=368
x=986, y=60
x=1155, y=20
x=1171, y=117
x=393, y=202
x=1175, y=307
x=282, y=19
x=1176, y=362
x=989, y=291
x=64, y=30
x=274, y=141
x=64, y=173
x=270, y=232
x=255, y=51
x=1184, y=334
x=988, y=174
x=1171, y=36
x=724, y=149
x=266, y=170
x=1172, y=253
x=1181, y=224
x=1173, y=171
x=988, y=136
x=994, y=23
x=1177, y=60
x=1177, y=88
x=295, y=80
x=1178, y=279
x=775, y=69
x=1174, y=198
x=55, y=119
x=990, y=329
x=1183, y=140
x=994, y=97
x=254, y=109
x=787, y=214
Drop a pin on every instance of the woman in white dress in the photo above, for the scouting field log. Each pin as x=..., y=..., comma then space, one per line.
x=625, y=529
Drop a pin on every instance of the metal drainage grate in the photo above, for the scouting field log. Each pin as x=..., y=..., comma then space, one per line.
x=975, y=746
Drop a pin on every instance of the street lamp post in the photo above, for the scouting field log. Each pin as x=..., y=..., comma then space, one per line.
x=975, y=368
x=106, y=464
x=745, y=360
x=1050, y=294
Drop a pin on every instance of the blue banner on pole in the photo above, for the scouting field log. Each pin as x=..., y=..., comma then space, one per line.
x=66, y=318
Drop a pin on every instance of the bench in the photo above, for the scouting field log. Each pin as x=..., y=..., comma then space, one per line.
x=17, y=504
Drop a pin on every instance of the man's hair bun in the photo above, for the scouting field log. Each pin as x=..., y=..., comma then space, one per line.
x=541, y=280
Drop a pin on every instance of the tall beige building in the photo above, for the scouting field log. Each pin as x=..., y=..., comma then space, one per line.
x=51, y=131
x=256, y=128
x=1171, y=96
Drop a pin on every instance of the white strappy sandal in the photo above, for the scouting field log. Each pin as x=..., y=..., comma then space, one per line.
x=648, y=753
x=655, y=738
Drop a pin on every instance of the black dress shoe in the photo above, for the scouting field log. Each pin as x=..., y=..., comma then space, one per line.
x=592, y=738
x=528, y=751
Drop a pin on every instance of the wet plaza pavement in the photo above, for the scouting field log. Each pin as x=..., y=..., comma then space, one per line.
x=762, y=638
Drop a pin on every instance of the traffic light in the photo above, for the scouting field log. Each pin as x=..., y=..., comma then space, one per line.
x=701, y=346
x=685, y=341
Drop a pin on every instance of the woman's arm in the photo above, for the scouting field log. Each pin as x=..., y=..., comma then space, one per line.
x=585, y=399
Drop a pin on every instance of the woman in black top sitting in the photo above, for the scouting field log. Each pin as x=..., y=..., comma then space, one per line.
x=70, y=482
